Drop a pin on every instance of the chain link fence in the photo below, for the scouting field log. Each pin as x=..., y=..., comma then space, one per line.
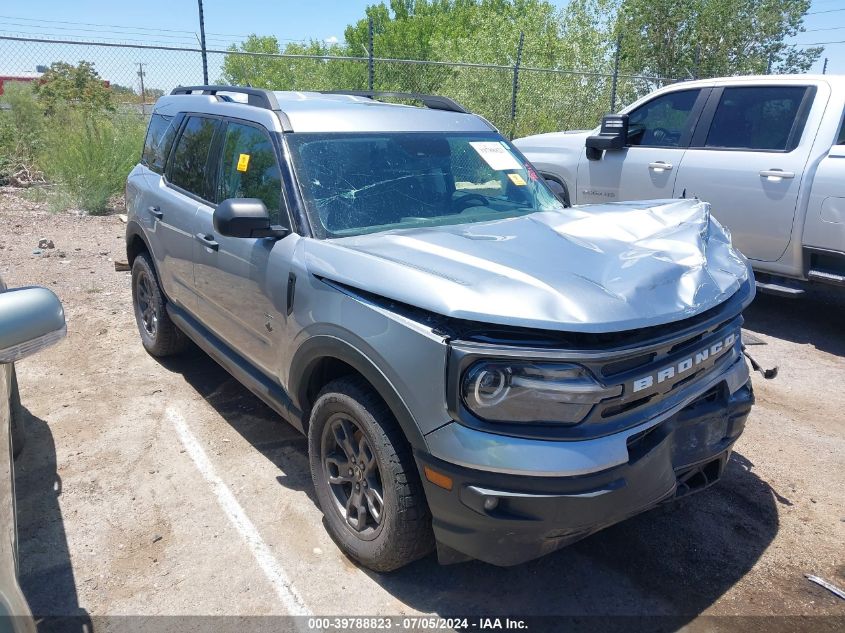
x=518, y=100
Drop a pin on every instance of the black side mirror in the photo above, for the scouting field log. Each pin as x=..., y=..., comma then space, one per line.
x=245, y=217
x=612, y=136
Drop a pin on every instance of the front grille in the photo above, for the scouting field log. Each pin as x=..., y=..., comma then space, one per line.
x=650, y=362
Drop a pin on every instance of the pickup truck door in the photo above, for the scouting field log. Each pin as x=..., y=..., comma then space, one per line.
x=659, y=130
x=824, y=227
x=242, y=283
x=747, y=159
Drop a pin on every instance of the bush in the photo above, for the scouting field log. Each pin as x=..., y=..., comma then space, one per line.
x=21, y=126
x=89, y=154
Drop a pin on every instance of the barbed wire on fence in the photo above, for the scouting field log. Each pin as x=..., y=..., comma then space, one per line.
x=517, y=99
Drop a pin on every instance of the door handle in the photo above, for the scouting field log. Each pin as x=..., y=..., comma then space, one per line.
x=776, y=174
x=207, y=241
x=660, y=166
x=155, y=212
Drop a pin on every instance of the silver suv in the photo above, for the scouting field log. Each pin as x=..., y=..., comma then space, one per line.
x=476, y=367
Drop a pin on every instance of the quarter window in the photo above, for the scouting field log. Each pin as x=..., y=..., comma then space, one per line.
x=841, y=139
x=249, y=169
x=190, y=158
x=160, y=135
x=662, y=121
x=756, y=117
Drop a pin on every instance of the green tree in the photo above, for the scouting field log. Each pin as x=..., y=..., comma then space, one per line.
x=474, y=31
x=124, y=94
x=76, y=86
x=727, y=37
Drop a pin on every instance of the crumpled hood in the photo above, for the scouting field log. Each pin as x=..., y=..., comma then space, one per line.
x=594, y=268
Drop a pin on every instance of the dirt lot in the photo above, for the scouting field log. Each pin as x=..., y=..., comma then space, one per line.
x=116, y=518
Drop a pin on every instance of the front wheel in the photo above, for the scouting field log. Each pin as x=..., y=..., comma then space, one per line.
x=365, y=478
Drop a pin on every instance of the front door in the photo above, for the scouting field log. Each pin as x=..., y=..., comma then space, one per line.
x=748, y=162
x=242, y=282
x=659, y=130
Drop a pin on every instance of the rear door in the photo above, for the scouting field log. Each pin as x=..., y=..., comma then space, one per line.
x=184, y=191
x=242, y=282
x=824, y=227
x=659, y=131
x=747, y=159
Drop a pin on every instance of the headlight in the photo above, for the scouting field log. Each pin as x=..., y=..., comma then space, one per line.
x=525, y=392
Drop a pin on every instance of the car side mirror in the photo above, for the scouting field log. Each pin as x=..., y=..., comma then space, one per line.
x=245, y=217
x=612, y=136
x=30, y=320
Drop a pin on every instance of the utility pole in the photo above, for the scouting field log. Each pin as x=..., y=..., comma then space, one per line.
x=143, y=93
x=697, y=61
x=371, y=65
x=824, y=68
x=515, y=87
x=615, y=81
x=202, y=45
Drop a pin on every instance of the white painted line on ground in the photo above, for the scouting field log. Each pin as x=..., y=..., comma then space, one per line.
x=275, y=573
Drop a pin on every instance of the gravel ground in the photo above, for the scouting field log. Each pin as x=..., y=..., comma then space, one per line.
x=116, y=519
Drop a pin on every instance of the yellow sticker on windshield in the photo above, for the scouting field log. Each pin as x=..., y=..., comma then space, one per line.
x=516, y=179
x=243, y=162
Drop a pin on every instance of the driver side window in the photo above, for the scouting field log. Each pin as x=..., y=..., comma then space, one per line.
x=662, y=121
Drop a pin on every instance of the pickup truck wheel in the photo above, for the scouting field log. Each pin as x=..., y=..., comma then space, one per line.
x=159, y=334
x=16, y=409
x=365, y=478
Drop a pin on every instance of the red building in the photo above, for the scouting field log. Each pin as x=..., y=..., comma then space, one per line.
x=20, y=77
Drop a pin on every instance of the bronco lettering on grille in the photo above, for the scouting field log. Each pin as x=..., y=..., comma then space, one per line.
x=706, y=354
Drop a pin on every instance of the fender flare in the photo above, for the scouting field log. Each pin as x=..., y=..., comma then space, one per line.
x=133, y=230
x=323, y=346
x=547, y=176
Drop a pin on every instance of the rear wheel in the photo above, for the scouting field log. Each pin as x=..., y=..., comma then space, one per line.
x=365, y=478
x=159, y=334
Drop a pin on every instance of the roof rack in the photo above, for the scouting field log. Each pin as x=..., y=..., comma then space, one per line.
x=435, y=102
x=258, y=97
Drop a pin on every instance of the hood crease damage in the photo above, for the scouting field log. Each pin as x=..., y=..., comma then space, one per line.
x=597, y=268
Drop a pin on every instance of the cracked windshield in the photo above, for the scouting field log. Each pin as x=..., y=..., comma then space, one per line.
x=363, y=183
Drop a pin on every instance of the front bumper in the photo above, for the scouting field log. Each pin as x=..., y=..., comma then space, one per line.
x=506, y=519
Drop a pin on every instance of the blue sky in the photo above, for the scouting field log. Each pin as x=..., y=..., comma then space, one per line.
x=174, y=22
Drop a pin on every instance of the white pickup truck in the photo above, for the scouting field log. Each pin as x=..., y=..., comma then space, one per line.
x=767, y=152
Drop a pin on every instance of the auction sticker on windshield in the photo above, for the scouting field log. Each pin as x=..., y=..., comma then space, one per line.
x=496, y=155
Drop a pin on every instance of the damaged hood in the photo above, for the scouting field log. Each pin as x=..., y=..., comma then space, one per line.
x=595, y=268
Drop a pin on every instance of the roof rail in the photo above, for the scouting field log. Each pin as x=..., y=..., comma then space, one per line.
x=258, y=97
x=435, y=102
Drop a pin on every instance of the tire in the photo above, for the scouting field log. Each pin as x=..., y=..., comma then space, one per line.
x=17, y=421
x=159, y=334
x=385, y=538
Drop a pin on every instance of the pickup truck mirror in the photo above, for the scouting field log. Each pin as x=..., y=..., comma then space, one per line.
x=30, y=320
x=612, y=136
x=245, y=217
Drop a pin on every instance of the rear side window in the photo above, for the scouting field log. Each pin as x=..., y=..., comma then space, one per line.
x=249, y=169
x=841, y=139
x=662, y=121
x=756, y=118
x=160, y=135
x=190, y=156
